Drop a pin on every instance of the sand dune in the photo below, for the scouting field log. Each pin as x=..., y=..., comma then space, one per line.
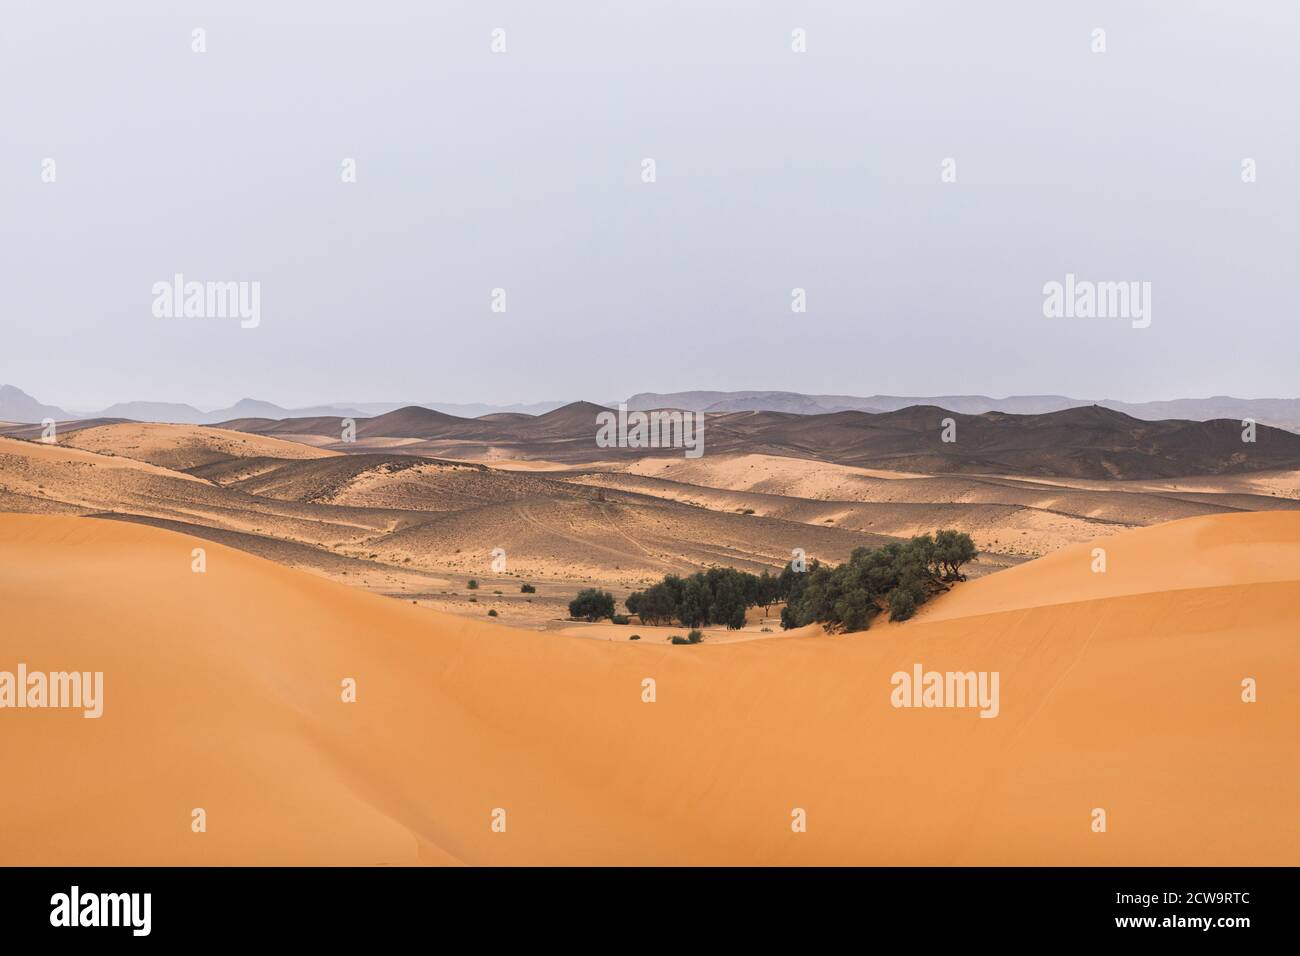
x=222, y=692
x=182, y=447
x=368, y=519
x=1004, y=515
x=1190, y=555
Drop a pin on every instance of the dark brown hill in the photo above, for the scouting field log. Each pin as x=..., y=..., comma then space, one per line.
x=1084, y=442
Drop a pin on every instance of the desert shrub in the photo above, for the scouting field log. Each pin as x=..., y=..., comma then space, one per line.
x=764, y=590
x=902, y=604
x=472, y=585
x=900, y=576
x=620, y=619
x=729, y=598
x=527, y=589
x=492, y=612
x=678, y=639
x=952, y=549
x=694, y=637
x=592, y=604
x=693, y=608
x=855, y=610
x=844, y=598
x=656, y=605
x=635, y=637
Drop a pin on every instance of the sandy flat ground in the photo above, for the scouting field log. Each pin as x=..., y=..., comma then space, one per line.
x=222, y=691
x=760, y=624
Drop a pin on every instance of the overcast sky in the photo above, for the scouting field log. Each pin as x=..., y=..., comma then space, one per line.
x=522, y=170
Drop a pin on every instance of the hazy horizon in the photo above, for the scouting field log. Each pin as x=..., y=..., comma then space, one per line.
x=608, y=401
x=775, y=170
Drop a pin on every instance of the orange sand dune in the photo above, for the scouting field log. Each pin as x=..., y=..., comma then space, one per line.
x=222, y=692
x=1196, y=553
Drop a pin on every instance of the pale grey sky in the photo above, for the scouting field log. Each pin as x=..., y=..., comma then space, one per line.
x=521, y=170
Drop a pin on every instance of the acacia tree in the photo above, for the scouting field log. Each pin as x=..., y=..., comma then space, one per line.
x=898, y=577
x=952, y=549
x=694, y=607
x=592, y=604
x=655, y=605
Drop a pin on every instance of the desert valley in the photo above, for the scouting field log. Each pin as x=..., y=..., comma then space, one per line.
x=328, y=561
x=420, y=503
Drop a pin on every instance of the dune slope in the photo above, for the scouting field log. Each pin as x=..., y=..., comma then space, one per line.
x=222, y=691
x=182, y=447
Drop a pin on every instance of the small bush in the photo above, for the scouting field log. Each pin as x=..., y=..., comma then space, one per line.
x=678, y=639
x=492, y=612
x=472, y=585
x=621, y=619
x=635, y=637
x=527, y=589
x=694, y=637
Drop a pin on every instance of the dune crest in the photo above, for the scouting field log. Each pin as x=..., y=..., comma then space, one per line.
x=222, y=691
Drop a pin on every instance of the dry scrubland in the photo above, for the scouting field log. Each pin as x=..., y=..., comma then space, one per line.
x=420, y=528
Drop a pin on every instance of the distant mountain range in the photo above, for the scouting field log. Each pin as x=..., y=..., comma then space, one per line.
x=17, y=406
x=1089, y=442
x=1278, y=412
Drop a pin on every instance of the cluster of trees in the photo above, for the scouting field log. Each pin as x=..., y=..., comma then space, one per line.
x=716, y=596
x=898, y=577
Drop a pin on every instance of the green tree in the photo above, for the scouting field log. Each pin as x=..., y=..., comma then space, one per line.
x=728, y=604
x=592, y=604
x=952, y=549
x=657, y=605
x=902, y=604
x=694, y=607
